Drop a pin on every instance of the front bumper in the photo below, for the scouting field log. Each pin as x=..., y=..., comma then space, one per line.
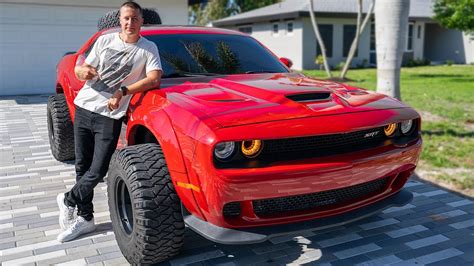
x=260, y=234
x=323, y=174
x=218, y=188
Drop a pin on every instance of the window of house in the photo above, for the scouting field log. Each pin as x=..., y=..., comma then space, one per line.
x=326, y=32
x=372, y=37
x=349, y=32
x=410, y=37
x=419, y=32
x=289, y=27
x=275, y=29
x=246, y=29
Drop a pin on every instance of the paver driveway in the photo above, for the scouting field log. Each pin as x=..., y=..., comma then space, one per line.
x=437, y=227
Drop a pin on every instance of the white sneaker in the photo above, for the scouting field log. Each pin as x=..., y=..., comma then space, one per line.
x=80, y=227
x=66, y=213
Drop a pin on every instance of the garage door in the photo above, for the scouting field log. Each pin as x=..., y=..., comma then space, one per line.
x=32, y=40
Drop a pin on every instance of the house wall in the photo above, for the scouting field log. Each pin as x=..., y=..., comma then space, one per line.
x=172, y=12
x=444, y=44
x=469, y=47
x=34, y=35
x=283, y=44
x=310, y=43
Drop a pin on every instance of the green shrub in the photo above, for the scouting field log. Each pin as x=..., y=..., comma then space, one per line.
x=339, y=66
x=319, y=60
x=417, y=62
x=449, y=62
x=364, y=64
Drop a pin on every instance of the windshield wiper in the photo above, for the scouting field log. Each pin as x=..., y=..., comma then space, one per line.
x=189, y=74
x=260, y=71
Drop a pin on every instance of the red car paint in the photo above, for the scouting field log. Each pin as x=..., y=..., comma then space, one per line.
x=189, y=116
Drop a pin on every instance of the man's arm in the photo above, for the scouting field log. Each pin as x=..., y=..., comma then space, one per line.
x=152, y=80
x=85, y=72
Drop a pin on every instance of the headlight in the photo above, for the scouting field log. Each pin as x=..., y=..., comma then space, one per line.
x=390, y=129
x=407, y=127
x=224, y=150
x=252, y=148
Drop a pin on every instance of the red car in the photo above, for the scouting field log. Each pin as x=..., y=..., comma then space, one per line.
x=239, y=148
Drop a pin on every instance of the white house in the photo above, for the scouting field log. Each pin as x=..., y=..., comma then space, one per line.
x=285, y=28
x=35, y=34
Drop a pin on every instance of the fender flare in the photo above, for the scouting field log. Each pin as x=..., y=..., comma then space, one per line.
x=159, y=124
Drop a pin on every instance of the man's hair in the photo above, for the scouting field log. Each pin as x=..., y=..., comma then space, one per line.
x=133, y=5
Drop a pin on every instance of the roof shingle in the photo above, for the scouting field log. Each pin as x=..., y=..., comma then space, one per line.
x=418, y=9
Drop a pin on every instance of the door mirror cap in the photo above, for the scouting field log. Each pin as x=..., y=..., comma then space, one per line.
x=287, y=62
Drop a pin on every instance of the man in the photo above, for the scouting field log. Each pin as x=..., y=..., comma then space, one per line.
x=119, y=65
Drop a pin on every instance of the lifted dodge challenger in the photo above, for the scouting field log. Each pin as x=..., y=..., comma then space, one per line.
x=239, y=148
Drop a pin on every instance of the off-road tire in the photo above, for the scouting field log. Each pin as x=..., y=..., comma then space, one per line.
x=60, y=129
x=111, y=19
x=157, y=230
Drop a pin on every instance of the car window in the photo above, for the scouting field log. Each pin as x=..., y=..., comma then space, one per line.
x=214, y=53
x=88, y=51
x=82, y=57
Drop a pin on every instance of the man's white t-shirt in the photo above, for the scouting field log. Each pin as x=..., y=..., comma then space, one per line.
x=118, y=64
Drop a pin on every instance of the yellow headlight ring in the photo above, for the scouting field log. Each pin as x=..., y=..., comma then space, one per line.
x=390, y=129
x=251, y=148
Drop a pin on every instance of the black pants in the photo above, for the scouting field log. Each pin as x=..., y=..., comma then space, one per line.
x=95, y=138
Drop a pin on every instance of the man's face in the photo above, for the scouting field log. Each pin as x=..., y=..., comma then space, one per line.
x=130, y=20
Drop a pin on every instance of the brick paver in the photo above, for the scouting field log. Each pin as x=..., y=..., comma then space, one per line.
x=437, y=227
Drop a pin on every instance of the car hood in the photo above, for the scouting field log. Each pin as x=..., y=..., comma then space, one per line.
x=244, y=99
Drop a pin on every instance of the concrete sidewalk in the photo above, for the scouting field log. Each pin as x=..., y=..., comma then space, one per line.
x=436, y=228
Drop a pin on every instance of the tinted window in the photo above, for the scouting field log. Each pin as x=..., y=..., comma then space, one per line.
x=290, y=27
x=410, y=37
x=88, y=51
x=214, y=53
x=247, y=30
x=372, y=36
x=326, y=35
x=349, y=34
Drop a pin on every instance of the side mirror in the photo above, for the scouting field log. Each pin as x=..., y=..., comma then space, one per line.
x=286, y=61
x=68, y=53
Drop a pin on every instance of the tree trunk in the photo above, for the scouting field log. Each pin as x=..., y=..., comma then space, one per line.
x=391, y=28
x=355, y=42
x=318, y=38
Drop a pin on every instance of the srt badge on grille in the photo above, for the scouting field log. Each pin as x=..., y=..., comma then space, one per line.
x=371, y=134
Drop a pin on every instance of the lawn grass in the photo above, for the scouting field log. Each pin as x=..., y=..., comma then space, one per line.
x=444, y=96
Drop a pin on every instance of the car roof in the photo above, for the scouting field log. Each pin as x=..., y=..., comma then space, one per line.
x=167, y=29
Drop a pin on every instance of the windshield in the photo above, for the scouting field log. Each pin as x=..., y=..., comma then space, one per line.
x=213, y=54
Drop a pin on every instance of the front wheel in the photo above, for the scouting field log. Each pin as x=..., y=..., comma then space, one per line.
x=144, y=207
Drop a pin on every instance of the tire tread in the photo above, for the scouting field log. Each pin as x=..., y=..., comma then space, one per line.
x=159, y=226
x=61, y=140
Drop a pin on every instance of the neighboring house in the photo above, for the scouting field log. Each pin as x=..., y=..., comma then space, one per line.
x=285, y=28
x=35, y=34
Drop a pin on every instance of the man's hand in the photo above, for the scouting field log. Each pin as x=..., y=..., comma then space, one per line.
x=85, y=72
x=114, y=100
x=152, y=80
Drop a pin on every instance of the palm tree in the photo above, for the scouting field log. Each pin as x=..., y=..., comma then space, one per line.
x=391, y=28
x=359, y=30
x=318, y=38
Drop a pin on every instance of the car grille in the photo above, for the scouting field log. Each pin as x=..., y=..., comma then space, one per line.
x=231, y=209
x=300, y=148
x=324, y=144
x=320, y=200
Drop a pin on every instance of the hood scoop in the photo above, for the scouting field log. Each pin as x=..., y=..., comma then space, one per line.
x=309, y=97
x=214, y=94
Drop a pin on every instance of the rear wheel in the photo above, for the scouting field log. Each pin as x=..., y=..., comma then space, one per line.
x=144, y=207
x=60, y=129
